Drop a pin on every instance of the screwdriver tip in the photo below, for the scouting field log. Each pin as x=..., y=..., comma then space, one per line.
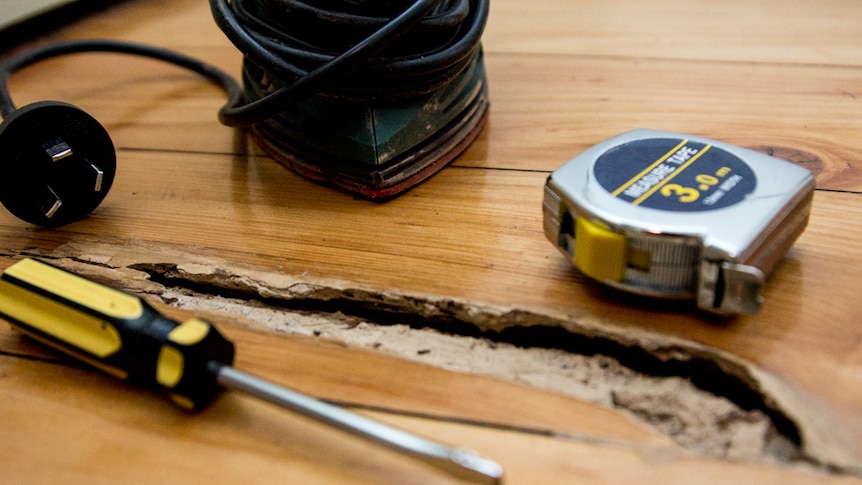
x=476, y=468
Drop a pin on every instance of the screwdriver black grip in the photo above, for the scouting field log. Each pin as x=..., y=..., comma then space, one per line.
x=115, y=331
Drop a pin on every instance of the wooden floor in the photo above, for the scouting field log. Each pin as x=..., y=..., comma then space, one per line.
x=196, y=202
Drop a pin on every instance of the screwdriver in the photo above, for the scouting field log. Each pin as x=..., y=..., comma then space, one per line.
x=191, y=362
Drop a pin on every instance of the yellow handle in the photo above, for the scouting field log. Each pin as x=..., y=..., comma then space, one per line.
x=114, y=331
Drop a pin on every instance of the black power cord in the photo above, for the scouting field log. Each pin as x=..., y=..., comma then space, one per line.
x=27, y=58
x=59, y=162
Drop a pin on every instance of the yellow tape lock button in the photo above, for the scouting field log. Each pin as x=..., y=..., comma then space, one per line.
x=599, y=252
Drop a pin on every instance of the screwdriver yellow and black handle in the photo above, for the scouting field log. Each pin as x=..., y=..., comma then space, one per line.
x=191, y=361
x=114, y=331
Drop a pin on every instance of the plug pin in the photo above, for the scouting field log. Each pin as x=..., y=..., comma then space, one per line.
x=53, y=205
x=58, y=150
x=100, y=175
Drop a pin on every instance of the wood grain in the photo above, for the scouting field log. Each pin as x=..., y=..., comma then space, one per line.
x=80, y=426
x=779, y=78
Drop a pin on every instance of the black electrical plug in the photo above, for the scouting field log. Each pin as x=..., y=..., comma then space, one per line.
x=57, y=163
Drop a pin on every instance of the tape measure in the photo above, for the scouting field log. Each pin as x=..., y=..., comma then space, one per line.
x=675, y=216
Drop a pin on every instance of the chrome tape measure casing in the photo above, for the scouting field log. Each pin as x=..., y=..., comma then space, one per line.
x=675, y=216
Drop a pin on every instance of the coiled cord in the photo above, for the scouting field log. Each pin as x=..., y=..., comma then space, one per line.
x=365, y=51
x=354, y=49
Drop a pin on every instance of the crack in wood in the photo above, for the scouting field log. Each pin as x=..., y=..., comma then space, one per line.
x=706, y=400
x=693, y=369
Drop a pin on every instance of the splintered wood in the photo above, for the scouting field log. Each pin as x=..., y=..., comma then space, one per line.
x=705, y=400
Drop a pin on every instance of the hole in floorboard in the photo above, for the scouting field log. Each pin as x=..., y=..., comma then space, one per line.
x=691, y=397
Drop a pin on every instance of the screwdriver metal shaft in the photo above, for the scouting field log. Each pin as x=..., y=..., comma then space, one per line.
x=462, y=463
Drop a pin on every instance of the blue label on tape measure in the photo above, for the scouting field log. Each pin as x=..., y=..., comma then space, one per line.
x=675, y=175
